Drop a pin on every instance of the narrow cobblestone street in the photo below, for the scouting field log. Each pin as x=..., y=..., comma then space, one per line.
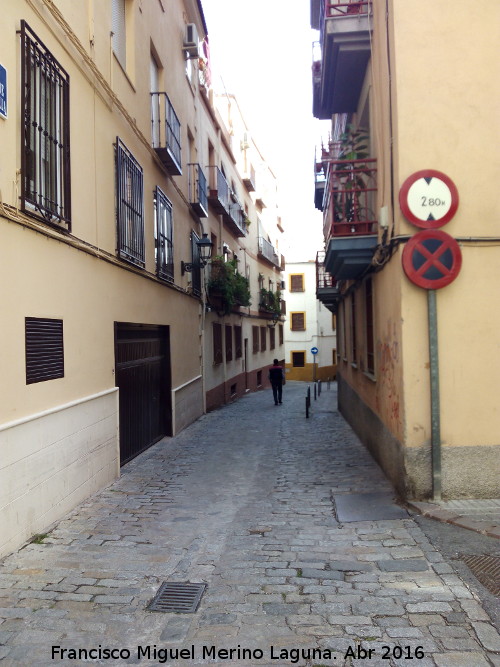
x=244, y=500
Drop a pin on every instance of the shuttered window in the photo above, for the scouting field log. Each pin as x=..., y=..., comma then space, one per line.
x=217, y=342
x=272, y=339
x=229, y=342
x=255, y=339
x=118, y=28
x=298, y=321
x=281, y=334
x=263, y=339
x=296, y=282
x=44, y=349
x=238, y=348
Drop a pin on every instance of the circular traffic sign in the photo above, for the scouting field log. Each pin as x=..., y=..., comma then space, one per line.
x=432, y=259
x=428, y=199
x=314, y=350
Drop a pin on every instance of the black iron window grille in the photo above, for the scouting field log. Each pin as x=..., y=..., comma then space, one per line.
x=45, y=155
x=130, y=208
x=196, y=267
x=164, y=236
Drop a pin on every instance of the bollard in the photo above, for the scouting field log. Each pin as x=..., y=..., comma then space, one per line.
x=315, y=391
x=319, y=387
x=309, y=394
x=307, y=407
x=328, y=384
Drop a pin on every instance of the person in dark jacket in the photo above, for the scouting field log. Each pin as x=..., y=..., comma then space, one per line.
x=277, y=378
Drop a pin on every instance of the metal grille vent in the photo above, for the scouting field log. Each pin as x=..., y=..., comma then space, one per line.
x=44, y=349
x=177, y=597
x=486, y=569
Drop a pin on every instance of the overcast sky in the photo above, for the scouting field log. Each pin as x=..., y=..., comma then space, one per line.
x=262, y=51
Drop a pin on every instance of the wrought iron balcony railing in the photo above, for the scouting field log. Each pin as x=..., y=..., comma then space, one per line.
x=268, y=251
x=350, y=198
x=197, y=186
x=218, y=190
x=166, y=132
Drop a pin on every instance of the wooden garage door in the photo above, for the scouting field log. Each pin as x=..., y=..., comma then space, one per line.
x=142, y=363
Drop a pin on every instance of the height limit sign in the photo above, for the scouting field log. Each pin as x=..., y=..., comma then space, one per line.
x=428, y=199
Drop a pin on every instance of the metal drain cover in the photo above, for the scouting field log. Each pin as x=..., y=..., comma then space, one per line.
x=486, y=569
x=178, y=597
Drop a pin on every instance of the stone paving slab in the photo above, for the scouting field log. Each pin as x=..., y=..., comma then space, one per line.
x=242, y=501
x=367, y=507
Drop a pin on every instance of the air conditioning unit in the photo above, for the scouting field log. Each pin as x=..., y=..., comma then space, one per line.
x=191, y=41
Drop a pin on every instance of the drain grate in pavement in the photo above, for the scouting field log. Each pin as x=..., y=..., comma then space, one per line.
x=178, y=597
x=486, y=569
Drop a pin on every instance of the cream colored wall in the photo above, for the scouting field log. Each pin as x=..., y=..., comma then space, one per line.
x=89, y=295
x=454, y=132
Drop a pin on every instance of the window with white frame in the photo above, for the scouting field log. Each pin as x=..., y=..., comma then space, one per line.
x=164, y=244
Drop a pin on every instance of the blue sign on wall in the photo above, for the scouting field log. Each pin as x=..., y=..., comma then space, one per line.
x=3, y=92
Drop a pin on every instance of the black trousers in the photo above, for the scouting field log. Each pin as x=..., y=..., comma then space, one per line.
x=277, y=392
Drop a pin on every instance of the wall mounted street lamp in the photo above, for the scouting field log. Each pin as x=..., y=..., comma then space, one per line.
x=205, y=246
x=274, y=321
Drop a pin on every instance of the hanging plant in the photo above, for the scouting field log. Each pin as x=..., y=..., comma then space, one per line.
x=227, y=285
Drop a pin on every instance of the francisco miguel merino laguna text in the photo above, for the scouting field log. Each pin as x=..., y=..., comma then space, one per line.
x=293, y=655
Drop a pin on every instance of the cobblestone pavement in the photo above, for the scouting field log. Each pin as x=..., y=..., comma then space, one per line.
x=242, y=500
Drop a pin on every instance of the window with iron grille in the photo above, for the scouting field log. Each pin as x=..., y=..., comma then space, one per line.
x=44, y=349
x=195, y=263
x=45, y=157
x=255, y=339
x=272, y=339
x=164, y=246
x=238, y=348
x=217, y=342
x=129, y=209
x=263, y=339
x=229, y=342
x=298, y=321
x=296, y=282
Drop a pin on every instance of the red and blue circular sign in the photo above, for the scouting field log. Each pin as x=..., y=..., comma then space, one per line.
x=432, y=259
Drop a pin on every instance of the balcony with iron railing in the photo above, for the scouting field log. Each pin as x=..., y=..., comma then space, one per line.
x=218, y=190
x=327, y=289
x=249, y=178
x=350, y=197
x=166, y=132
x=267, y=251
x=197, y=189
x=341, y=57
x=236, y=217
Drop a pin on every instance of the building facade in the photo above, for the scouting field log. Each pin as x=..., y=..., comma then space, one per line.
x=310, y=326
x=417, y=365
x=111, y=150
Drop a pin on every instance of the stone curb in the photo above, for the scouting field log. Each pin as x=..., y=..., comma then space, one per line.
x=432, y=511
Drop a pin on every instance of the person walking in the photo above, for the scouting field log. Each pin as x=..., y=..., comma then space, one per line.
x=277, y=379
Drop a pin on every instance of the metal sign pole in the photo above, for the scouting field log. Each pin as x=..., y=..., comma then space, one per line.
x=435, y=401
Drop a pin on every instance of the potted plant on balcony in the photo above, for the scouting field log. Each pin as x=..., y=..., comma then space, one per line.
x=270, y=301
x=227, y=288
x=351, y=176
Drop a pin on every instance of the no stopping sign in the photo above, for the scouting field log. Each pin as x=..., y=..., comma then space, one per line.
x=432, y=259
